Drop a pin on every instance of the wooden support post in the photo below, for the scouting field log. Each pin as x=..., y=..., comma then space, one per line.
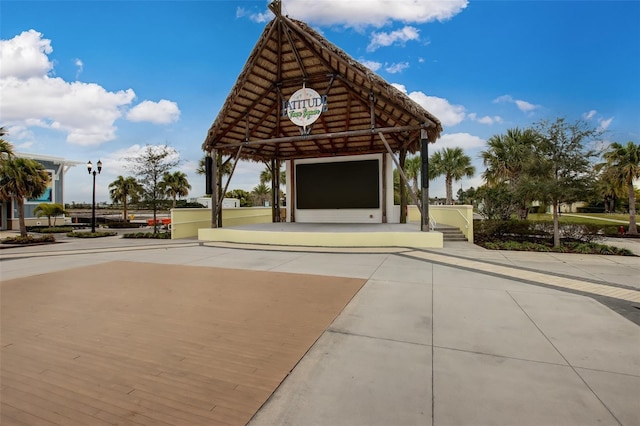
x=226, y=186
x=291, y=201
x=214, y=188
x=384, y=188
x=277, y=192
x=273, y=190
x=414, y=196
x=424, y=172
x=219, y=187
x=403, y=188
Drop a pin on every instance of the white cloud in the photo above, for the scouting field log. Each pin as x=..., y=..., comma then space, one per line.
x=78, y=63
x=503, y=98
x=523, y=106
x=449, y=115
x=117, y=162
x=372, y=65
x=363, y=13
x=400, y=87
x=25, y=146
x=31, y=97
x=400, y=36
x=85, y=111
x=163, y=112
x=486, y=119
x=396, y=68
x=460, y=140
x=25, y=56
x=260, y=17
x=604, y=123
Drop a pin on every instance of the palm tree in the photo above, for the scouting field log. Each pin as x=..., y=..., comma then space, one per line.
x=226, y=166
x=124, y=189
x=260, y=194
x=6, y=149
x=453, y=164
x=266, y=175
x=49, y=210
x=609, y=189
x=175, y=185
x=412, y=169
x=506, y=161
x=623, y=161
x=22, y=178
x=507, y=156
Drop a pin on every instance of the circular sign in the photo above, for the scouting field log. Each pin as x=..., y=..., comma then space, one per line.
x=305, y=106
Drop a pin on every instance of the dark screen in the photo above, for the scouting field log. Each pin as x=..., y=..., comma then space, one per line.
x=341, y=185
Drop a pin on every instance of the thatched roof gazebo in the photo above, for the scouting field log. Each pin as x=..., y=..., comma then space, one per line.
x=357, y=112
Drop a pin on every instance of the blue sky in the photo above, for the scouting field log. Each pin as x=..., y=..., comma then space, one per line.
x=89, y=80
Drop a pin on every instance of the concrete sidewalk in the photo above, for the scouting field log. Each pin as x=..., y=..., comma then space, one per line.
x=430, y=339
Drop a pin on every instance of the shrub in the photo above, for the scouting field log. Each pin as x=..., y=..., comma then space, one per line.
x=183, y=204
x=569, y=247
x=29, y=239
x=489, y=230
x=123, y=225
x=157, y=235
x=97, y=234
x=54, y=230
x=492, y=246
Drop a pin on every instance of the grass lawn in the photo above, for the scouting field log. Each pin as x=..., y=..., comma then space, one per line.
x=594, y=218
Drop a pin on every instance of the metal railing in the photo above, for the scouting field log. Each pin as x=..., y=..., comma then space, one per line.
x=464, y=217
x=432, y=222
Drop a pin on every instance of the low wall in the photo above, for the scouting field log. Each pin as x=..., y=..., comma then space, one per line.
x=186, y=222
x=325, y=239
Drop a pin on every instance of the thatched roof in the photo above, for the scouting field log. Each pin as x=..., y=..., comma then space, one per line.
x=290, y=54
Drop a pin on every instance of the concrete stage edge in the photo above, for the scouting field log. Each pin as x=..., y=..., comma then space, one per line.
x=326, y=235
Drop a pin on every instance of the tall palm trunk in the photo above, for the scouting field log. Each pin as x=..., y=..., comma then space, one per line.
x=633, y=229
x=556, y=225
x=23, y=225
x=449, y=187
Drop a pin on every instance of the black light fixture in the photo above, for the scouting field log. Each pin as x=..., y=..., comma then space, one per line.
x=93, y=205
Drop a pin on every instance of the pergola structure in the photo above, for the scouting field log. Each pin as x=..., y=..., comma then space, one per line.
x=360, y=112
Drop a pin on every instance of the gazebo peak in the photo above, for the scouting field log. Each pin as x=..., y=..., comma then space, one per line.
x=276, y=7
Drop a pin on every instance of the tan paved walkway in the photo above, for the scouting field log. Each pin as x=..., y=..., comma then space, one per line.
x=140, y=343
x=532, y=276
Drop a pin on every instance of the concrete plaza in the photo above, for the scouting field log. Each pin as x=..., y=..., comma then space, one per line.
x=458, y=336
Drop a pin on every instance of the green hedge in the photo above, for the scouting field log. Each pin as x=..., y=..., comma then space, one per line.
x=569, y=247
x=54, y=230
x=97, y=234
x=528, y=230
x=29, y=239
x=157, y=235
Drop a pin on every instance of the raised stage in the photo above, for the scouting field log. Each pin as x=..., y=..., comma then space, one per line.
x=326, y=235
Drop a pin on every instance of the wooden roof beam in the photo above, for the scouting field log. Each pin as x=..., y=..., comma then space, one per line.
x=287, y=33
x=324, y=136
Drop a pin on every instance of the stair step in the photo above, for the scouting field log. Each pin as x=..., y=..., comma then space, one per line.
x=450, y=233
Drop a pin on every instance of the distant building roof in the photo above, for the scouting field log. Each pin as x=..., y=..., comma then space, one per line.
x=55, y=160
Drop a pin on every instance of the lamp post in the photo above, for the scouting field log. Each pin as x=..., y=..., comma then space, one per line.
x=93, y=205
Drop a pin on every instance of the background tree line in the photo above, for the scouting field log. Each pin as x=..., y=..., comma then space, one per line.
x=551, y=163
